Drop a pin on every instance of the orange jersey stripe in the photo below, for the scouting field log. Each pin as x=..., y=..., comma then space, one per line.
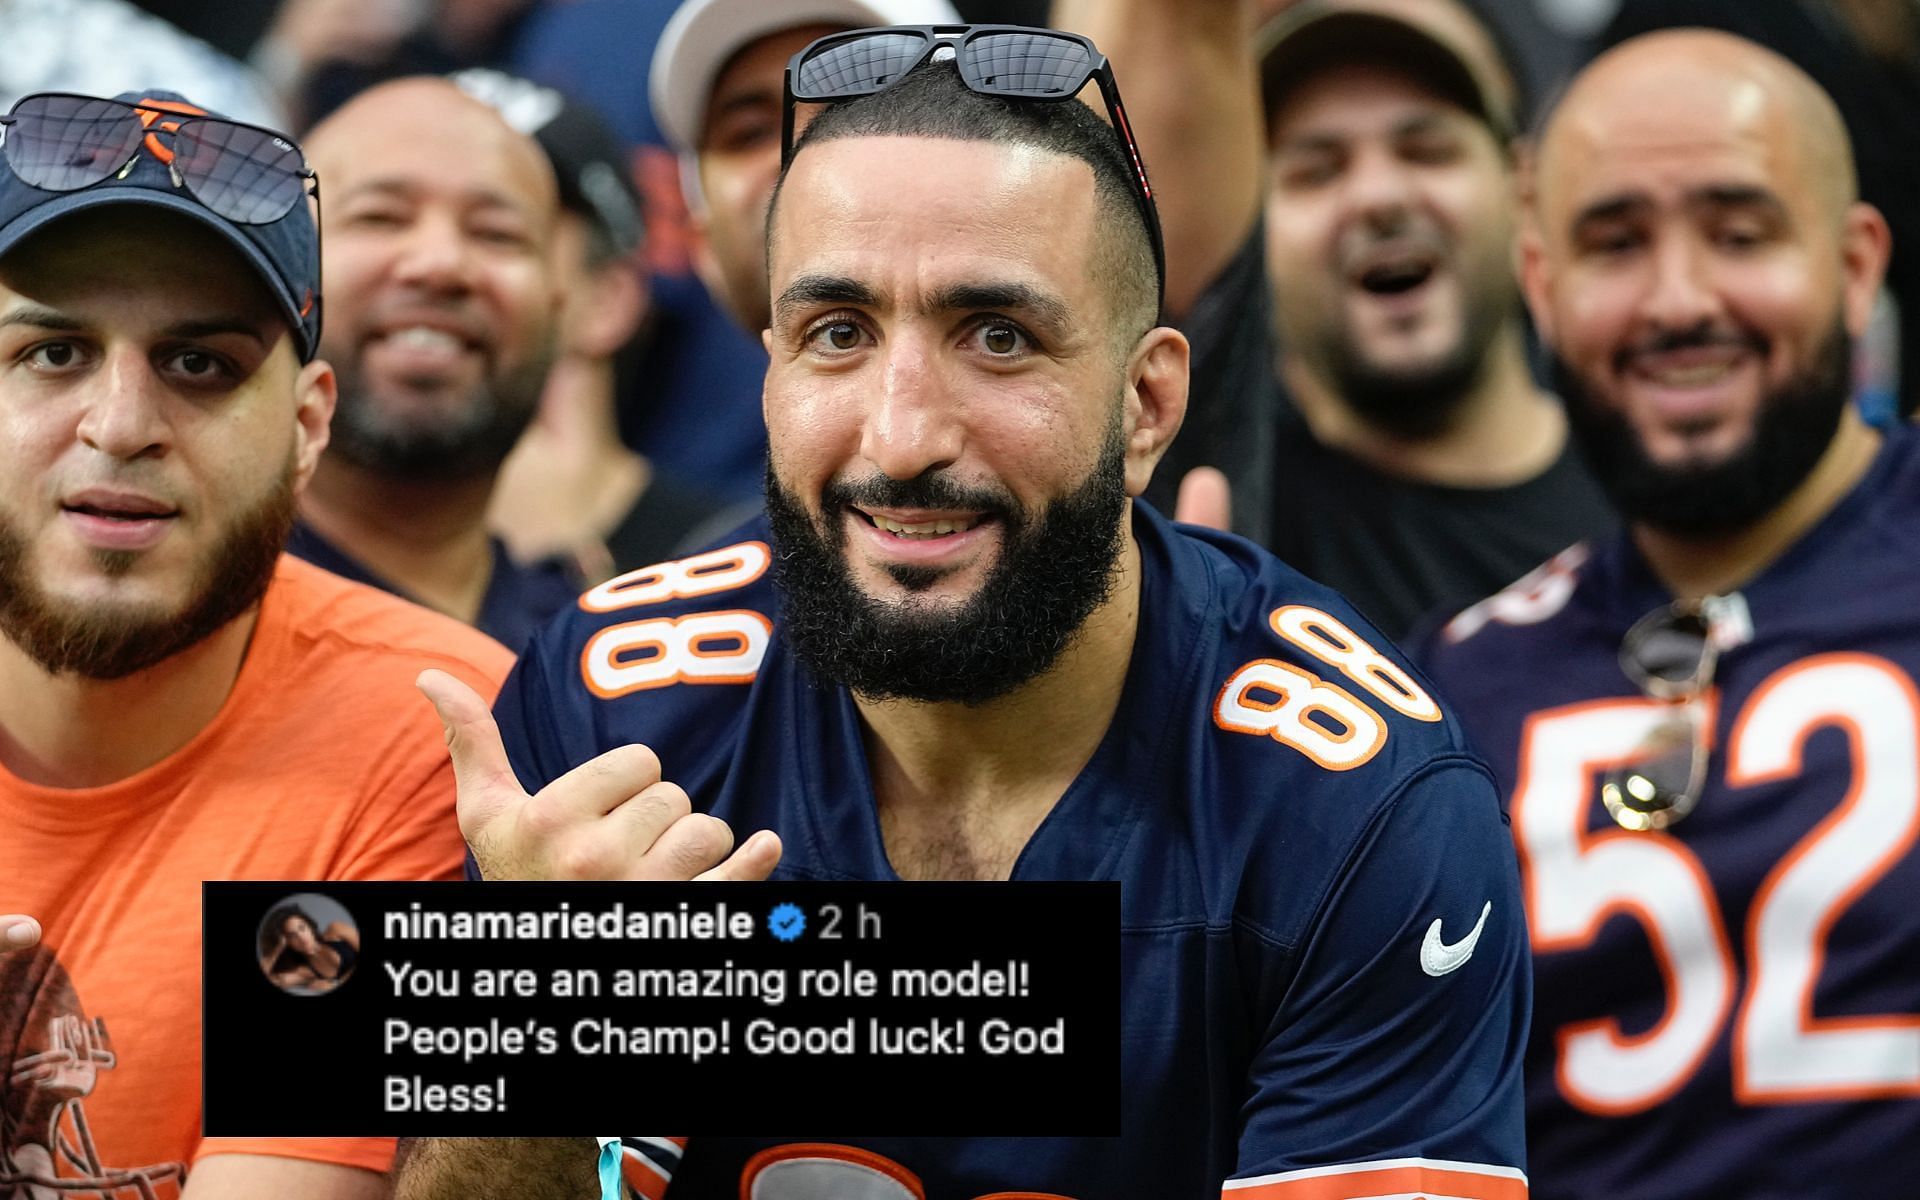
x=642, y=1176
x=1399, y=1177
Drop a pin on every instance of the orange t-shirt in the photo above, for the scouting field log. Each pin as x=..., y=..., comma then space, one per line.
x=324, y=763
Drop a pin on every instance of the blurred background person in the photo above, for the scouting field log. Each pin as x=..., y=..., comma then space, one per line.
x=1706, y=725
x=714, y=88
x=1414, y=464
x=699, y=418
x=318, y=54
x=1866, y=55
x=104, y=47
x=571, y=487
x=439, y=223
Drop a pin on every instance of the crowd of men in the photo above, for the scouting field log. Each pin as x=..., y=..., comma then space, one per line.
x=1429, y=548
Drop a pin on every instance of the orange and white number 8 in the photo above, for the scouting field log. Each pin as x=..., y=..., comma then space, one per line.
x=709, y=647
x=701, y=575
x=1322, y=720
x=1328, y=639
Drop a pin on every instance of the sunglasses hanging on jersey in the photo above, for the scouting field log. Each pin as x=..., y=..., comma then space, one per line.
x=994, y=60
x=1671, y=654
x=63, y=143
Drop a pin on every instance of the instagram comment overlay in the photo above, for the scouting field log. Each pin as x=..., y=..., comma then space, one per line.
x=541, y=1009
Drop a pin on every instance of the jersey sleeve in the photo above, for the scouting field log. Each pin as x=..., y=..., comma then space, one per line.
x=646, y=1166
x=525, y=713
x=1393, y=1066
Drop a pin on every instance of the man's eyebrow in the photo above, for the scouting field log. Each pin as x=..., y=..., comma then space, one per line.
x=1424, y=122
x=405, y=189
x=383, y=186
x=33, y=316
x=811, y=290
x=1738, y=195
x=1044, y=307
x=214, y=326
x=1310, y=143
x=36, y=317
x=1610, y=208
x=758, y=97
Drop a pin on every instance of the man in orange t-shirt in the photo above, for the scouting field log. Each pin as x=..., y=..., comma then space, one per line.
x=177, y=701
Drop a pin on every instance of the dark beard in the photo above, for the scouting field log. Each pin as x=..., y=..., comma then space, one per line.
x=1414, y=405
x=1421, y=402
x=1795, y=423
x=469, y=445
x=103, y=642
x=1053, y=572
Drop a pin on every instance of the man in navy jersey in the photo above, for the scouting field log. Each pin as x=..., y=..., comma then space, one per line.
x=958, y=648
x=1708, y=727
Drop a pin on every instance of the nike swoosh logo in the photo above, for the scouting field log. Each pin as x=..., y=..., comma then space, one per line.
x=1437, y=958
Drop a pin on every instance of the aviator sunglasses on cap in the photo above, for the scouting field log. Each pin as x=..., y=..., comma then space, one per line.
x=64, y=143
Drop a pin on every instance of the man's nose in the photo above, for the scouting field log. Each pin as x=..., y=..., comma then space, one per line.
x=1680, y=293
x=125, y=415
x=1380, y=189
x=912, y=425
x=435, y=254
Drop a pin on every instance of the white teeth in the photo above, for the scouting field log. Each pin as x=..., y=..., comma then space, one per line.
x=925, y=528
x=1700, y=376
x=422, y=337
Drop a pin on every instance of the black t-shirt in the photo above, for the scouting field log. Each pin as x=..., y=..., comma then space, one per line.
x=1399, y=549
x=520, y=596
x=1402, y=550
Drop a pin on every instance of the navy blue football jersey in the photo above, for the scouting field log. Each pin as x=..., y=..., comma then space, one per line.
x=1729, y=1007
x=1324, y=977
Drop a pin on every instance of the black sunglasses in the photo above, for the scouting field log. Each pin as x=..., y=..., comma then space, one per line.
x=1670, y=654
x=993, y=60
x=248, y=174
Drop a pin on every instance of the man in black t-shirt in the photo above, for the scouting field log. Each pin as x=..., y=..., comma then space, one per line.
x=1413, y=462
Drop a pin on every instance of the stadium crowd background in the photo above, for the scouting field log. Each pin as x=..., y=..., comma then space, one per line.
x=690, y=383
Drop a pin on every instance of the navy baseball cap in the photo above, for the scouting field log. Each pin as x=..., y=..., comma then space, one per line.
x=285, y=253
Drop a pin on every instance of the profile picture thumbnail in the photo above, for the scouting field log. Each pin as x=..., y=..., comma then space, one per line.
x=308, y=944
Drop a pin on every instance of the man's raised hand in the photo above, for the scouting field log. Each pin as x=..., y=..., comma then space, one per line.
x=611, y=817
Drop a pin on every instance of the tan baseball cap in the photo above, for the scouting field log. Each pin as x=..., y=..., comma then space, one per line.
x=1438, y=42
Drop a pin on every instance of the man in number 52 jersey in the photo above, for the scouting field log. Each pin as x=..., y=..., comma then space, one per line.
x=1708, y=727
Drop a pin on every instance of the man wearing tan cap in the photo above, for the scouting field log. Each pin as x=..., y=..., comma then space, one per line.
x=1417, y=465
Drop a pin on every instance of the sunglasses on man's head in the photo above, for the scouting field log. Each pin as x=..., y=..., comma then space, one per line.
x=1671, y=654
x=245, y=173
x=993, y=60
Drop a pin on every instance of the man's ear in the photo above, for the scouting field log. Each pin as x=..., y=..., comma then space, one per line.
x=1530, y=264
x=1865, y=243
x=616, y=303
x=1529, y=243
x=1156, y=401
x=315, y=391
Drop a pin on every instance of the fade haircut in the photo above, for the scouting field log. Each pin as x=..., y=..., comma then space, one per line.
x=931, y=101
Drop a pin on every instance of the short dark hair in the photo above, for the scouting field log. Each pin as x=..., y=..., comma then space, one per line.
x=931, y=101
